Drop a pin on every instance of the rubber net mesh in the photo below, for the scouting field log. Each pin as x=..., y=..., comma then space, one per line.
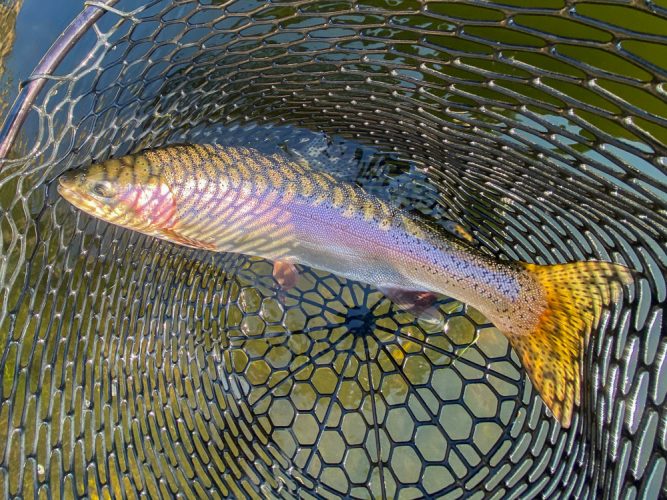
x=135, y=367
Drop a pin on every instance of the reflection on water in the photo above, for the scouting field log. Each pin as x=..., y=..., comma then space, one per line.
x=8, y=12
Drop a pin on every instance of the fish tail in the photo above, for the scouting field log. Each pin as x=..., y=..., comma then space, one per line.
x=552, y=353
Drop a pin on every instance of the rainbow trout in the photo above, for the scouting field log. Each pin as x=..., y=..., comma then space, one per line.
x=235, y=199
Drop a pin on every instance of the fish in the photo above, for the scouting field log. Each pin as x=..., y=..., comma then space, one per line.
x=238, y=199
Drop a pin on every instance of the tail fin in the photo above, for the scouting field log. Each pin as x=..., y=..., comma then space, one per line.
x=552, y=353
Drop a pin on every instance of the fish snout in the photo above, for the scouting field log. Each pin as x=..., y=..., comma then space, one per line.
x=69, y=186
x=66, y=180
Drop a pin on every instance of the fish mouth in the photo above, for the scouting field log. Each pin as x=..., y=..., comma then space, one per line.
x=64, y=184
x=67, y=189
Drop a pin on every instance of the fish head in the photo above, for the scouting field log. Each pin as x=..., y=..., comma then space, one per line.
x=128, y=192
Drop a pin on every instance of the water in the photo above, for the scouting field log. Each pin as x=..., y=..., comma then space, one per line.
x=27, y=36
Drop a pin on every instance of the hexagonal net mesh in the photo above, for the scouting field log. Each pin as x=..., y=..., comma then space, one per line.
x=132, y=367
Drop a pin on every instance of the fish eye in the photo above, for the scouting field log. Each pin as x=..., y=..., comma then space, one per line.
x=102, y=189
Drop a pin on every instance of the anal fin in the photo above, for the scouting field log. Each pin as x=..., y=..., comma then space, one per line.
x=416, y=302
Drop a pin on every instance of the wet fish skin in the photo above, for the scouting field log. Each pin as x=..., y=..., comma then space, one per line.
x=236, y=199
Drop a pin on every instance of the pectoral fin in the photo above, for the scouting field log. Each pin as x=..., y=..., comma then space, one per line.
x=285, y=273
